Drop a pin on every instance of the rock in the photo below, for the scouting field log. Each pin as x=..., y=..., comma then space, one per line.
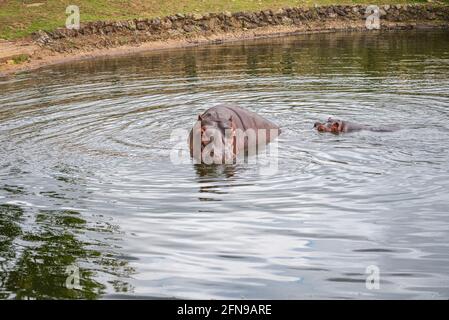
x=132, y=25
x=340, y=12
x=174, y=33
x=227, y=14
x=41, y=37
x=188, y=28
x=386, y=7
x=280, y=12
x=141, y=25
x=332, y=15
x=286, y=21
x=108, y=29
x=167, y=24
x=197, y=16
x=267, y=13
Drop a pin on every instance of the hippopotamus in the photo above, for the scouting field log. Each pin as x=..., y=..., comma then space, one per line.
x=224, y=131
x=337, y=126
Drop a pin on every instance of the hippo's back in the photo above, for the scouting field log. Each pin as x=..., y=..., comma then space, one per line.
x=244, y=119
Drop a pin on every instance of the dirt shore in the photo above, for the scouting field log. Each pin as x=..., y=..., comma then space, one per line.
x=104, y=39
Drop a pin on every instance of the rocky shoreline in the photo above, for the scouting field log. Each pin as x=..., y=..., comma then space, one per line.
x=190, y=25
x=122, y=37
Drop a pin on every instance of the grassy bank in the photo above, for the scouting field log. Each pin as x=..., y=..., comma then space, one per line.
x=19, y=18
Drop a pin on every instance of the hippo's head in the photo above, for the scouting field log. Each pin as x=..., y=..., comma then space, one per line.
x=332, y=125
x=217, y=139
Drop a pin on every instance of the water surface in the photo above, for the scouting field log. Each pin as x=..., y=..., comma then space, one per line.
x=86, y=178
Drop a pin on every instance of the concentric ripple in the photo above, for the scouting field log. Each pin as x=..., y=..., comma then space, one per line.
x=87, y=176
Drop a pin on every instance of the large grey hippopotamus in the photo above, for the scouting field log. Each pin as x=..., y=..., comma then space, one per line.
x=223, y=132
x=337, y=126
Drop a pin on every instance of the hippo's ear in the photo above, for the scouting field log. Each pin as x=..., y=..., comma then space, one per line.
x=200, y=118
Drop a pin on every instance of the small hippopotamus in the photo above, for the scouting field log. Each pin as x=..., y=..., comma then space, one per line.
x=224, y=131
x=337, y=126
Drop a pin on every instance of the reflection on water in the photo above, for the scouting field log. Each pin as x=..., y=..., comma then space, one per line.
x=35, y=258
x=86, y=178
x=208, y=174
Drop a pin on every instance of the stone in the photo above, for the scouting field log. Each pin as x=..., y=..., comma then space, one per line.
x=431, y=16
x=286, y=21
x=167, y=24
x=188, y=28
x=280, y=12
x=197, y=16
x=267, y=13
x=132, y=25
x=227, y=14
x=174, y=33
x=386, y=7
x=141, y=25
x=340, y=12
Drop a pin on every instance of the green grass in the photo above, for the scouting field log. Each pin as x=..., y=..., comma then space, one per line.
x=21, y=58
x=18, y=19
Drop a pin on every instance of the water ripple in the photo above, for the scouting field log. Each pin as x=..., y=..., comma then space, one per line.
x=85, y=158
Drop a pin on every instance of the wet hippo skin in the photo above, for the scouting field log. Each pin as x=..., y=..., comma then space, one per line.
x=220, y=121
x=338, y=126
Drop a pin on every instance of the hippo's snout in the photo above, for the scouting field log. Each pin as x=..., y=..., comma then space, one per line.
x=320, y=127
